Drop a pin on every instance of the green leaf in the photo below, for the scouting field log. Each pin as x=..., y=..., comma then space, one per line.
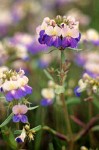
x=32, y=108
x=59, y=89
x=17, y=132
x=7, y=120
x=9, y=138
x=73, y=101
x=36, y=128
x=48, y=75
x=96, y=102
x=95, y=128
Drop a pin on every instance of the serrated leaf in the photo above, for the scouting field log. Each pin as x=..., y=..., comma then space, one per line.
x=32, y=108
x=48, y=75
x=59, y=89
x=7, y=120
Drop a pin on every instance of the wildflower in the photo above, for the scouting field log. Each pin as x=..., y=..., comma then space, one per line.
x=61, y=32
x=26, y=133
x=87, y=83
x=14, y=85
x=91, y=36
x=22, y=137
x=48, y=95
x=19, y=111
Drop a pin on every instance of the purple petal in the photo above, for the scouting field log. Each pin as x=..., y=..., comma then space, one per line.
x=57, y=42
x=73, y=43
x=65, y=43
x=28, y=89
x=76, y=92
x=46, y=102
x=78, y=39
x=42, y=33
x=20, y=93
x=24, y=118
x=9, y=96
x=49, y=40
x=18, y=140
x=16, y=118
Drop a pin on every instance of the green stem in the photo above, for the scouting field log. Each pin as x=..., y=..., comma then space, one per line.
x=90, y=105
x=65, y=110
x=57, y=134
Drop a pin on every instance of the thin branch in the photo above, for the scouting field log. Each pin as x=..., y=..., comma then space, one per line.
x=87, y=128
x=57, y=134
x=77, y=121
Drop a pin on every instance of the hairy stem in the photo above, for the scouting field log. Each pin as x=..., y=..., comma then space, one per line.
x=65, y=110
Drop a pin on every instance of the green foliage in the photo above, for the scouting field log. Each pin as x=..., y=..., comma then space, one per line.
x=48, y=75
x=8, y=136
x=7, y=120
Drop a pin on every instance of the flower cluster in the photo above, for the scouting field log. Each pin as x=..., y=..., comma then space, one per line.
x=91, y=36
x=26, y=132
x=87, y=83
x=61, y=32
x=89, y=61
x=14, y=84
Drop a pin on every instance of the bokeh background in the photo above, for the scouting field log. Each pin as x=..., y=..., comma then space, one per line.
x=19, y=48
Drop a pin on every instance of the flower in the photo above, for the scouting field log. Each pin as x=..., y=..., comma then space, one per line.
x=91, y=36
x=14, y=85
x=22, y=137
x=19, y=111
x=62, y=32
x=48, y=96
x=26, y=132
x=87, y=83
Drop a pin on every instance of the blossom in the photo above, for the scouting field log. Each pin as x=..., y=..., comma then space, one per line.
x=14, y=85
x=91, y=36
x=22, y=137
x=48, y=96
x=87, y=83
x=19, y=111
x=60, y=32
x=83, y=19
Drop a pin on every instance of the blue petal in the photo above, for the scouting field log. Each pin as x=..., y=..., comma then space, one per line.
x=18, y=140
x=16, y=118
x=78, y=39
x=9, y=96
x=24, y=118
x=73, y=43
x=57, y=42
x=42, y=33
x=19, y=94
x=78, y=94
x=65, y=43
x=46, y=102
x=49, y=40
x=28, y=89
